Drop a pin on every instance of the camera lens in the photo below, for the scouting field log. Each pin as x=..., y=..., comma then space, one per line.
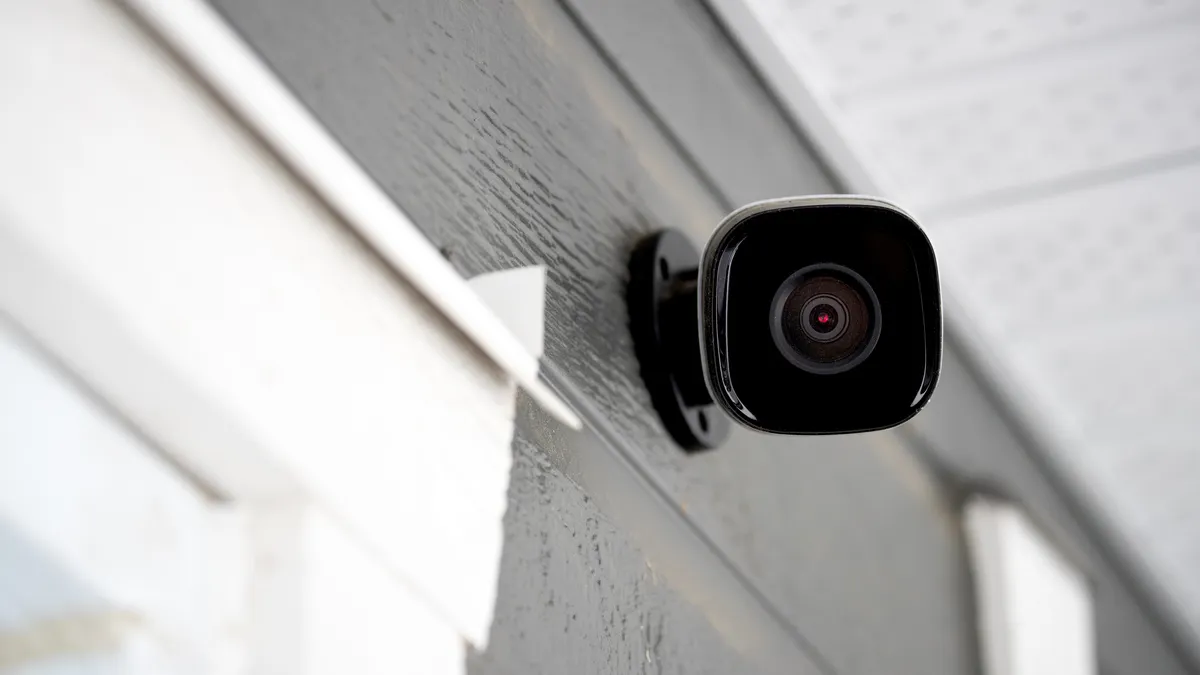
x=825, y=319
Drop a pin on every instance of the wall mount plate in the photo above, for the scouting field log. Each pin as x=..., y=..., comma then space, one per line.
x=663, y=319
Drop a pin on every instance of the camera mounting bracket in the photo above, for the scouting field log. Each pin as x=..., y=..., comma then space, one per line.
x=664, y=322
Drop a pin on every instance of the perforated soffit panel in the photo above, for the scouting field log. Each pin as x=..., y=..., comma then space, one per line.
x=1053, y=150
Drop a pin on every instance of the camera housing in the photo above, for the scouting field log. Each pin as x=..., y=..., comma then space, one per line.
x=820, y=315
x=816, y=315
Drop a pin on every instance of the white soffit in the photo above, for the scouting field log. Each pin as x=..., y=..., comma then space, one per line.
x=1052, y=150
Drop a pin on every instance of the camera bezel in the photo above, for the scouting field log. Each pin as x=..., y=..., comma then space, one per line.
x=713, y=270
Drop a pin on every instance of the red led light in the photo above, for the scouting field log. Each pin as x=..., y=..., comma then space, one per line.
x=823, y=318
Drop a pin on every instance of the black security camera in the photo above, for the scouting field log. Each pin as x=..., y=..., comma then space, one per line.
x=808, y=315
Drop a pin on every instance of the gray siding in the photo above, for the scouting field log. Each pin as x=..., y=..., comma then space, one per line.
x=511, y=139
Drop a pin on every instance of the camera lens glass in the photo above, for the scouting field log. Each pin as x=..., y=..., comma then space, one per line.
x=825, y=319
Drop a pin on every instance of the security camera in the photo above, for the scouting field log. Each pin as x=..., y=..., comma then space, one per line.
x=807, y=315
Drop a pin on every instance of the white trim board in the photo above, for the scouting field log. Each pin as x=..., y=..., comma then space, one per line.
x=102, y=546
x=201, y=38
x=1035, y=608
x=156, y=249
x=110, y=562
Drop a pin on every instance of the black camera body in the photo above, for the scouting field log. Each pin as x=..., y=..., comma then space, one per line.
x=816, y=315
x=820, y=315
